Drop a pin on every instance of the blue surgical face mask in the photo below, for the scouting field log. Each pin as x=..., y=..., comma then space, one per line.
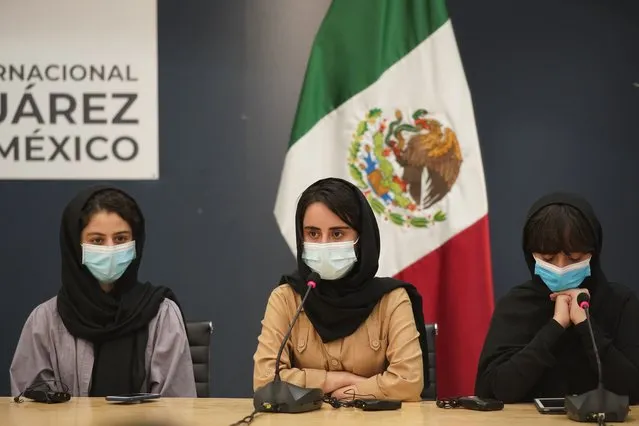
x=560, y=279
x=108, y=263
x=331, y=261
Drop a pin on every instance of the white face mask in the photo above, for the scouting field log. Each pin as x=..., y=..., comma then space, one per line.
x=108, y=263
x=330, y=260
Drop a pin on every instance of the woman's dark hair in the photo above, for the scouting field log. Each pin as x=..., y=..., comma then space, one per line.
x=337, y=196
x=112, y=201
x=559, y=228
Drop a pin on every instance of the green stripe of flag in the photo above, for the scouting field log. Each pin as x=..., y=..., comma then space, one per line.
x=357, y=41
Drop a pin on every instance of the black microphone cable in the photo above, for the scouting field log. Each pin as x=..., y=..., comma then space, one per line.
x=18, y=399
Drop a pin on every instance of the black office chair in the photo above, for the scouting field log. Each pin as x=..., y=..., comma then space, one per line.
x=430, y=393
x=200, y=344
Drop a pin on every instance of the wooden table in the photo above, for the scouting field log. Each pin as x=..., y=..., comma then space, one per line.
x=214, y=412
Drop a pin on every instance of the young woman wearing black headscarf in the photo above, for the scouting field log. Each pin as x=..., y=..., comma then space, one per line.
x=357, y=333
x=106, y=333
x=538, y=344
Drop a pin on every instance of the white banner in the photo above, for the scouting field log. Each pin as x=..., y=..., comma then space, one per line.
x=78, y=89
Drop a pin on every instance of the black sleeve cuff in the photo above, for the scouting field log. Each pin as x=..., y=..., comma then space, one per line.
x=545, y=340
x=551, y=332
x=602, y=342
x=600, y=338
x=582, y=329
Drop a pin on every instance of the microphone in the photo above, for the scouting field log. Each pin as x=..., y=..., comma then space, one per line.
x=283, y=397
x=598, y=405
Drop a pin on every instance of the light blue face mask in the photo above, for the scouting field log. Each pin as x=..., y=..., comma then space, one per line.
x=331, y=261
x=108, y=263
x=560, y=279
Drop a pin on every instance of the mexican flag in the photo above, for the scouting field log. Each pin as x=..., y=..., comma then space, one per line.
x=386, y=105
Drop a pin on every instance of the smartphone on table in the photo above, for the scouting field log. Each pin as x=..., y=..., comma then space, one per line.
x=550, y=405
x=133, y=397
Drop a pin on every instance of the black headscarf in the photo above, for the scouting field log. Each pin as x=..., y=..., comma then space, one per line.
x=337, y=308
x=527, y=308
x=597, y=278
x=116, y=322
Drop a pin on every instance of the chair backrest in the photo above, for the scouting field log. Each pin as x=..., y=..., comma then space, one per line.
x=200, y=343
x=430, y=393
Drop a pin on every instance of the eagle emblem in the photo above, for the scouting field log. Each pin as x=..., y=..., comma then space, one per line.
x=404, y=167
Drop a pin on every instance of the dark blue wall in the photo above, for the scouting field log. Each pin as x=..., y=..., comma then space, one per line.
x=552, y=84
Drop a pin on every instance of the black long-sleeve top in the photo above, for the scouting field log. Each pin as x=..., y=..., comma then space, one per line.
x=527, y=354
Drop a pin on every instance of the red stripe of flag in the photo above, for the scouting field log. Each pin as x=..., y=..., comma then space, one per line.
x=456, y=285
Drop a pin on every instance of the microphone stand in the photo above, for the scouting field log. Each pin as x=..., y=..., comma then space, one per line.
x=283, y=397
x=597, y=405
x=601, y=414
x=311, y=285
